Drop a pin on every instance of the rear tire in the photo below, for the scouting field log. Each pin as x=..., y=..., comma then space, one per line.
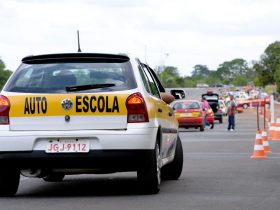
x=54, y=177
x=9, y=181
x=173, y=170
x=149, y=173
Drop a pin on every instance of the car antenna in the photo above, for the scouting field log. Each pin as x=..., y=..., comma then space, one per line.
x=79, y=49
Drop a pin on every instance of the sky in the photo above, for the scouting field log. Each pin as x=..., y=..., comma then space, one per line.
x=180, y=33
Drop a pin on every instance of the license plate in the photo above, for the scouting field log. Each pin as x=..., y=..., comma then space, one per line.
x=67, y=146
x=195, y=114
x=187, y=115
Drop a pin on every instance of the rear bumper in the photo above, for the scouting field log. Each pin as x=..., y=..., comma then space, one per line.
x=191, y=122
x=130, y=139
x=108, y=161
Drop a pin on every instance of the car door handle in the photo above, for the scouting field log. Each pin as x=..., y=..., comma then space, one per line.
x=159, y=110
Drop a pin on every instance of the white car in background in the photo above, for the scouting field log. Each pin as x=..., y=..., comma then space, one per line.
x=202, y=86
x=242, y=98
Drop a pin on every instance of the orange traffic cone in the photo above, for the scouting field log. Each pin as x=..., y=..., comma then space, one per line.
x=276, y=134
x=265, y=142
x=258, y=148
x=271, y=132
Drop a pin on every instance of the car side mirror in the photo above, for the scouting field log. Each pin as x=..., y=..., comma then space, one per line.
x=178, y=94
x=167, y=98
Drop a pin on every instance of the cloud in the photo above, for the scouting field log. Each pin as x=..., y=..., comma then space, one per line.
x=190, y=31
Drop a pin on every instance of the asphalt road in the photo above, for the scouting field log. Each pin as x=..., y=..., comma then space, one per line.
x=218, y=174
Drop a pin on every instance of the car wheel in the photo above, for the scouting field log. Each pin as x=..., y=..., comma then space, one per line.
x=173, y=170
x=221, y=120
x=149, y=173
x=9, y=181
x=212, y=126
x=201, y=128
x=54, y=177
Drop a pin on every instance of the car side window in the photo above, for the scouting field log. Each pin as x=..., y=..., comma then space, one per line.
x=144, y=79
x=156, y=79
x=151, y=81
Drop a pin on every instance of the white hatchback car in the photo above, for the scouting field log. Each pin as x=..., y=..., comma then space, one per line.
x=80, y=113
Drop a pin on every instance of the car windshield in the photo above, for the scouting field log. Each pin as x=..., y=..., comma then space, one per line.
x=60, y=77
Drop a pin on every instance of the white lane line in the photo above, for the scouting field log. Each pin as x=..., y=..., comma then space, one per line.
x=225, y=155
x=219, y=141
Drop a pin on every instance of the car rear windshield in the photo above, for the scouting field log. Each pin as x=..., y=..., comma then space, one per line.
x=187, y=105
x=60, y=77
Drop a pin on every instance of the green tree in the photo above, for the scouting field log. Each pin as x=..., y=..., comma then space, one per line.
x=200, y=71
x=4, y=74
x=213, y=78
x=277, y=79
x=236, y=68
x=240, y=81
x=268, y=66
x=257, y=82
x=170, y=77
x=189, y=82
x=262, y=78
x=172, y=71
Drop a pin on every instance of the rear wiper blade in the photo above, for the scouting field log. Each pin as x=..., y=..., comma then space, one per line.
x=88, y=87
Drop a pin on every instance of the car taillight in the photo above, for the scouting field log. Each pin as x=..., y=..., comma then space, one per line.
x=4, y=110
x=136, y=109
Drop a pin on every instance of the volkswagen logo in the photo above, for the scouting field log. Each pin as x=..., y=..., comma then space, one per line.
x=66, y=104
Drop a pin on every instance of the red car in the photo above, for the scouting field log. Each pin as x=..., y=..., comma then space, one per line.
x=189, y=113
